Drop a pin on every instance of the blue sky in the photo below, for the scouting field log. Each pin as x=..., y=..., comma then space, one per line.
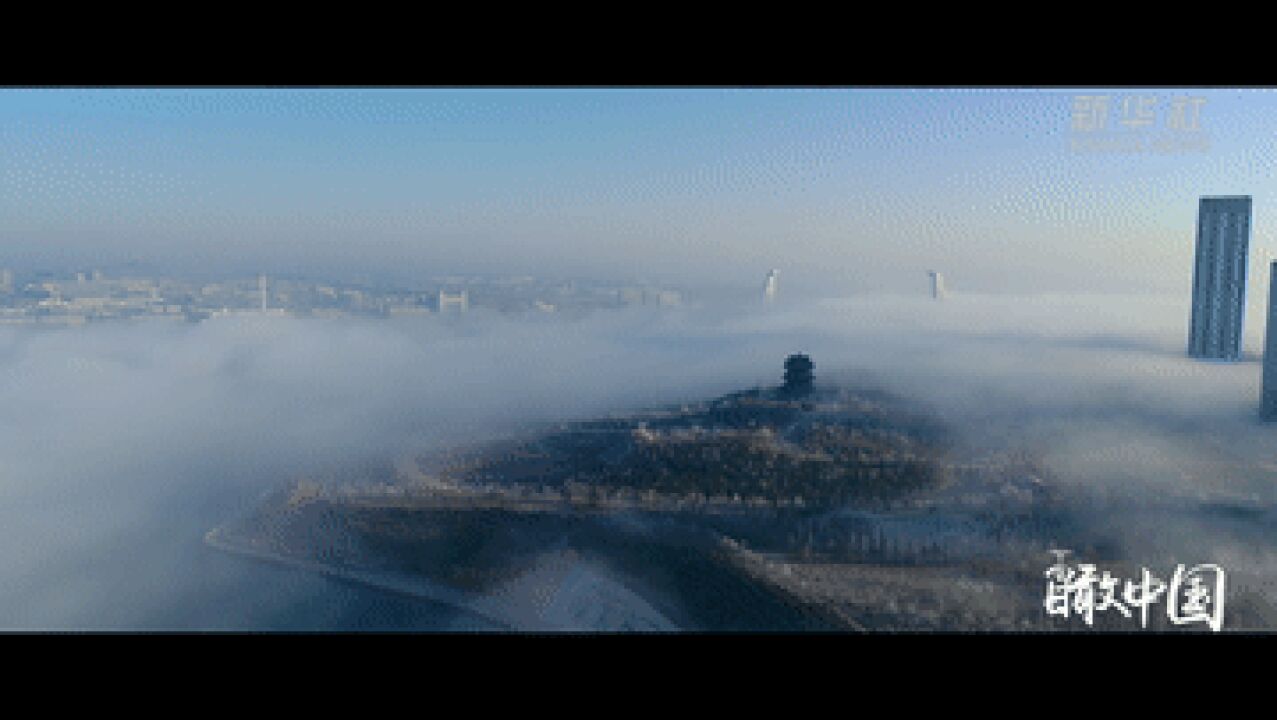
x=851, y=190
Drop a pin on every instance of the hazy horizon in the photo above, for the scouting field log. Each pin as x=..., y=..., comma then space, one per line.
x=847, y=191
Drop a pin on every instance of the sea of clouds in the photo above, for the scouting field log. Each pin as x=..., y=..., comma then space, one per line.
x=122, y=443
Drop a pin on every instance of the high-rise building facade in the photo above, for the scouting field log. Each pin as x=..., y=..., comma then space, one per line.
x=937, y=284
x=1268, y=393
x=769, y=286
x=1219, y=278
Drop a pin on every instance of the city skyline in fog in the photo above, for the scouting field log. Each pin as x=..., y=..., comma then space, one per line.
x=1051, y=331
x=845, y=191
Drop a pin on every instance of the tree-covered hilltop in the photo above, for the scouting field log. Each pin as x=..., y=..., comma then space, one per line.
x=828, y=445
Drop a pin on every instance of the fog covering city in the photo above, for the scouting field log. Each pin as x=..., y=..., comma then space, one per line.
x=124, y=442
x=130, y=431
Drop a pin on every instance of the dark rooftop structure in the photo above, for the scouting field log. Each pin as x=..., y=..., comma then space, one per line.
x=798, y=374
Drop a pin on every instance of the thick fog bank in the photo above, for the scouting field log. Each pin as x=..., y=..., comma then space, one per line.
x=121, y=444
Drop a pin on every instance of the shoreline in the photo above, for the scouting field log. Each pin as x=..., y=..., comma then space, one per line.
x=518, y=612
x=416, y=589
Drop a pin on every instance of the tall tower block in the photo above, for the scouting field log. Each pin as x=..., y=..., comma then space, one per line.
x=937, y=284
x=1219, y=278
x=1268, y=393
x=769, y=286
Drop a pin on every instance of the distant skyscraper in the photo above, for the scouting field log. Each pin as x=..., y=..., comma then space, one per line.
x=769, y=286
x=6, y=281
x=937, y=284
x=1219, y=278
x=261, y=288
x=1268, y=395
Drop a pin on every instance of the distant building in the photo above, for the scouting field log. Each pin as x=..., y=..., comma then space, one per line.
x=937, y=284
x=458, y=302
x=6, y=282
x=648, y=296
x=668, y=298
x=769, y=286
x=1219, y=278
x=798, y=374
x=261, y=288
x=1268, y=393
x=407, y=310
